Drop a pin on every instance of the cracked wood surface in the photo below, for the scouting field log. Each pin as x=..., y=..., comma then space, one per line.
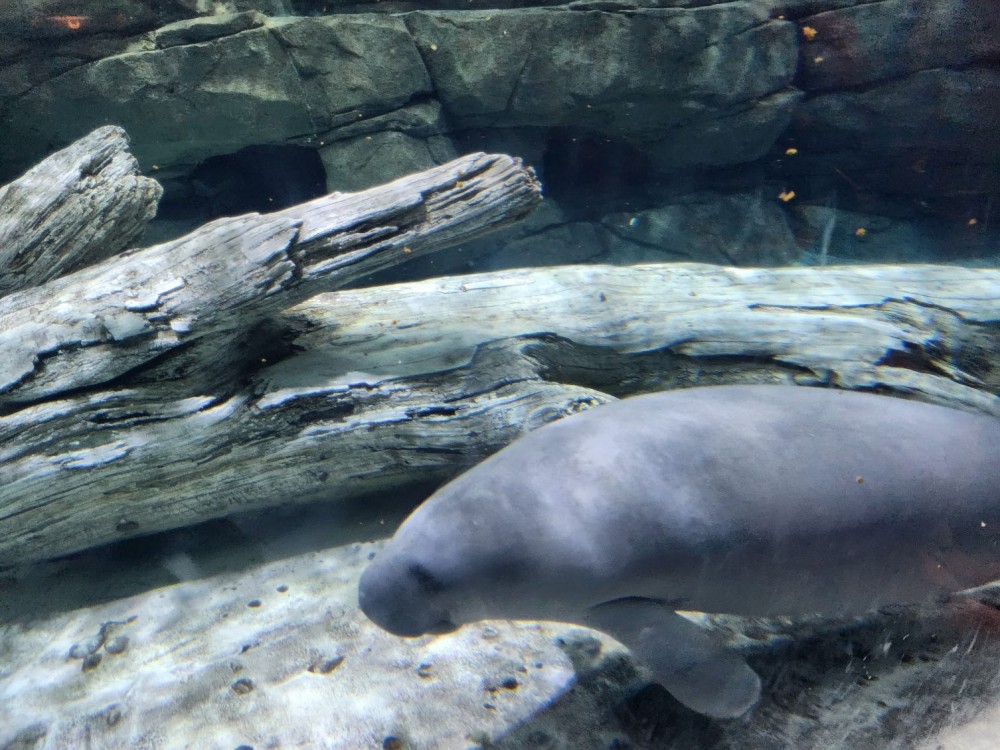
x=922, y=330
x=105, y=320
x=81, y=205
x=179, y=383
x=404, y=384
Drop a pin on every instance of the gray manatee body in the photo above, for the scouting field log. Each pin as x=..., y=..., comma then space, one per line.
x=753, y=500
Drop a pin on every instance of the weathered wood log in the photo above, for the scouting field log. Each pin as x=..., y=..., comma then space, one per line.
x=105, y=320
x=409, y=383
x=932, y=332
x=81, y=205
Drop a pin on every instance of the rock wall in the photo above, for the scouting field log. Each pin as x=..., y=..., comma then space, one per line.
x=689, y=117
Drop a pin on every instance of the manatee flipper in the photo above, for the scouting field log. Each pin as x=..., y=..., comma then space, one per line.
x=702, y=674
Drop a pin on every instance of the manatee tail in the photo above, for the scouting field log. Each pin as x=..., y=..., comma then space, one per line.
x=703, y=675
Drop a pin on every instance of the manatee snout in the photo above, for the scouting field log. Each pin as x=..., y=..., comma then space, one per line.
x=399, y=598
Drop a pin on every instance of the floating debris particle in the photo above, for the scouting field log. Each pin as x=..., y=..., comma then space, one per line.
x=860, y=232
x=253, y=603
x=809, y=32
x=73, y=23
x=786, y=195
x=791, y=151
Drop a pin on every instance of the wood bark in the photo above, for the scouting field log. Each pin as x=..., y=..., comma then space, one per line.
x=409, y=383
x=83, y=204
x=106, y=320
x=126, y=412
x=925, y=331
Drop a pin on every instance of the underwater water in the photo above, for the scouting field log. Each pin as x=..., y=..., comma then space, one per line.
x=596, y=375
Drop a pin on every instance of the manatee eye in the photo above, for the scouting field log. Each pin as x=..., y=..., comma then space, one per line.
x=425, y=579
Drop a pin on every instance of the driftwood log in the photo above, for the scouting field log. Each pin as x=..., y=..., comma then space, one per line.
x=84, y=204
x=187, y=381
x=105, y=320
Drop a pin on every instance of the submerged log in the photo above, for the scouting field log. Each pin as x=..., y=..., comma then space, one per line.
x=924, y=331
x=83, y=204
x=409, y=383
x=184, y=382
x=106, y=320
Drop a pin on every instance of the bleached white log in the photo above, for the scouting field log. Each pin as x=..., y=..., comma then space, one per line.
x=81, y=205
x=927, y=331
x=105, y=320
x=407, y=384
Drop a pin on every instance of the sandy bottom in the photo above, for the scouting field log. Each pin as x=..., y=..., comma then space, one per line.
x=245, y=634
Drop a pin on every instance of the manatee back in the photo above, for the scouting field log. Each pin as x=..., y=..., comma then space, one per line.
x=802, y=486
x=779, y=491
x=744, y=499
x=792, y=458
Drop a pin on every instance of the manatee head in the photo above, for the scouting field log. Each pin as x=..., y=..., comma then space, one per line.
x=402, y=596
x=472, y=551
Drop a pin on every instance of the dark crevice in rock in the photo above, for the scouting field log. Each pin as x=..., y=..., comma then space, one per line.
x=261, y=178
x=587, y=171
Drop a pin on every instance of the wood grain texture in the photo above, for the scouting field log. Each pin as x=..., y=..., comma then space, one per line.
x=81, y=205
x=218, y=372
x=104, y=321
x=399, y=385
x=922, y=330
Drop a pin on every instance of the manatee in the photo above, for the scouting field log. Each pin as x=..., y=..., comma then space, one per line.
x=758, y=500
